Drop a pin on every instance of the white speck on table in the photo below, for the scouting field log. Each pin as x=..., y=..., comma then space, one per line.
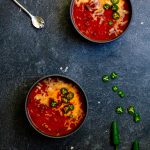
x=107, y=131
x=98, y=102
x=71, y=147
x=65, y=69
x=142, y=23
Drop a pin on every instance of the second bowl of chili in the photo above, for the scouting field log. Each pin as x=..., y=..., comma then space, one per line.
x=101, y=21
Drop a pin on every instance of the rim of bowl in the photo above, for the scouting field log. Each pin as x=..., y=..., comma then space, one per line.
x=102, y=41
x=85, y=99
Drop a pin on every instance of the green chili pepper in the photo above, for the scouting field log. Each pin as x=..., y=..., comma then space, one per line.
x=71, y=107
x=115, y=88
x=137, y=117
x=115, y=7
x=110, y=23
x=121, y=94
x=115, y=1
x=131, y=110
x=105, y=78
x=120, y=110
x=63, y=91
x=66, y=109
x=116, y=15
x=115, y=134
x=64, y=99
x=53, y=104
x=136, y=145
x=114, y=75
x=106, y=6
x=70, y=95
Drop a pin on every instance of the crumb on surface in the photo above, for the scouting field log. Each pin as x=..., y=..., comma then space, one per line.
x=65, y=69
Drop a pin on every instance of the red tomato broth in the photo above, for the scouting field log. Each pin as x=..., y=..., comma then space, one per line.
x=48, y=120
x=92, y=28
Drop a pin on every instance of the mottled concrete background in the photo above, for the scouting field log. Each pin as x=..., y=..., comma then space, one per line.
x=26, y=54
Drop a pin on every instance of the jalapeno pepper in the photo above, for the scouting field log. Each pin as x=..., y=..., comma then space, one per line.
x=71, y=107
x=70, y=95
x=66, y=109
x=131, y=110
x=106, y=6
x=136, y=145
x=121, y=94
x=105, y=78
x=120, y=110
x=115, y=134
x=64, y=100
x=115, y=7
x=115, y=88
x=116, y=15
x=63, y=91
x=137, y=117
x=115, y=1
x=114, y=75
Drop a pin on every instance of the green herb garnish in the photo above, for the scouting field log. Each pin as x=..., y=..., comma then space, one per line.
x=110, y=23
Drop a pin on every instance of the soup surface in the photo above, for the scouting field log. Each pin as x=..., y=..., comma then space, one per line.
x=101, y=20
x=56, y=106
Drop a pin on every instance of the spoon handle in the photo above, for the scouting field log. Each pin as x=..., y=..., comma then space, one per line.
x=23, y=8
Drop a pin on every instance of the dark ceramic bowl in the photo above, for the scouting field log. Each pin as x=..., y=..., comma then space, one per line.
x=70, y=81
x=99, y=41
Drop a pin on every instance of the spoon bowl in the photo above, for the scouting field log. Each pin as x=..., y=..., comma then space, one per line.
x=37, y=22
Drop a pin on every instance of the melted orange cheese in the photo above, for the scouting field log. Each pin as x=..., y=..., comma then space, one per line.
x=51, y=92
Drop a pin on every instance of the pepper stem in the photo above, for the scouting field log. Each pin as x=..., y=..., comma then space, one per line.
x=116, y=147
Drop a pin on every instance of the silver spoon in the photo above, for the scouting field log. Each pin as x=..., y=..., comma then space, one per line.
x=37, y=21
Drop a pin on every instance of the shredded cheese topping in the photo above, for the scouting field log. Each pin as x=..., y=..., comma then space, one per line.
x=51, y=92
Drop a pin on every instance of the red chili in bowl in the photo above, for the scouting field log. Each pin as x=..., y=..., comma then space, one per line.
x=101, y=20
x=48, y=111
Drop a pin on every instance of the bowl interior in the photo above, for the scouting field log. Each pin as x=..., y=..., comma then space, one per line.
x=67, y=81
x=99, y=41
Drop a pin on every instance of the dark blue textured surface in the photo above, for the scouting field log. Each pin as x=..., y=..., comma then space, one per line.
x=28, y=54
